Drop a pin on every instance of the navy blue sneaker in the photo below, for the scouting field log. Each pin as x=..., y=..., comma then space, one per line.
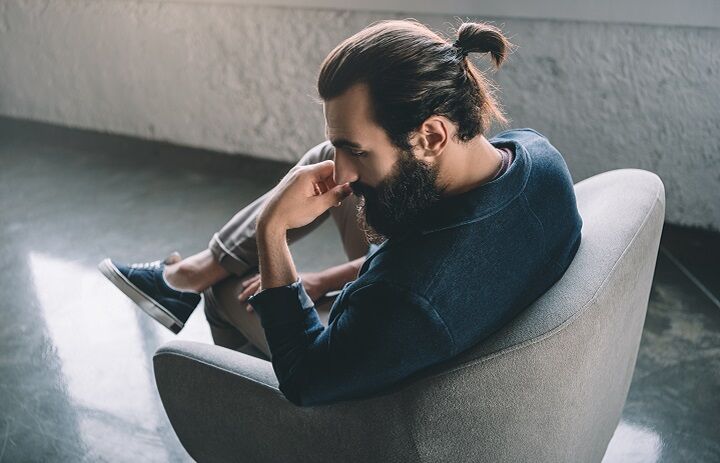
x=145, y=285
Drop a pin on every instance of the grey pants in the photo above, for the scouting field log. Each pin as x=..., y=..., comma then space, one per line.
x=235, y=249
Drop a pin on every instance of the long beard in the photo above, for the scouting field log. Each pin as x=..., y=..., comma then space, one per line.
x=395, y=205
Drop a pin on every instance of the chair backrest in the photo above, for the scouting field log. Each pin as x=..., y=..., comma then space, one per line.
x=551, y=385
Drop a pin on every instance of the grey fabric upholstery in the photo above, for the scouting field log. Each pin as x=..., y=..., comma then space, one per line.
x=550, y=386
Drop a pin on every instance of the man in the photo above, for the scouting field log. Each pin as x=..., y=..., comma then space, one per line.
x=468, y=231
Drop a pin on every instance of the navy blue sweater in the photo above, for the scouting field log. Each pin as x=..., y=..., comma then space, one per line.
x=476, y=261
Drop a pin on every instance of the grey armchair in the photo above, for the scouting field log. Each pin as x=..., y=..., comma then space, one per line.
x=549, y=386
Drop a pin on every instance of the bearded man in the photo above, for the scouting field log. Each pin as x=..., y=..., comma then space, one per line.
x=449, y=234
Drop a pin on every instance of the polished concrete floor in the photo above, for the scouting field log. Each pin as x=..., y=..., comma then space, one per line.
x=76, y=380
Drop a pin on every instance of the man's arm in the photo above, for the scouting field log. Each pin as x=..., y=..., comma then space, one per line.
x=317, y=284
x=276, y=264
x=279, y=269
x=336, y=277
x=382, y=335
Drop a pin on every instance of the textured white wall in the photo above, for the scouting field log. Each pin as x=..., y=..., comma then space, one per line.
x=241, y=79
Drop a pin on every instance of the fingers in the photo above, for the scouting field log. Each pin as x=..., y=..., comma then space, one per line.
x=323, y=187
x=330, y=183
x=320, y=188
x=320, y=171
x=250, y=280
x=321, y=174
x=323, y=183
x=333, y=193
x=250, y=286
x=338, y=194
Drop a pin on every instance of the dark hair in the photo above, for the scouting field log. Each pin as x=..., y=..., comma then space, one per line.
x=413, y=73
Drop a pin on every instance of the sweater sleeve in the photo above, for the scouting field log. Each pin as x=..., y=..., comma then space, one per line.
x=382, y=334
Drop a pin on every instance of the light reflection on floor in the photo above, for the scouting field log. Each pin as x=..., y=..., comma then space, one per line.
x=104, y=355
x=634, y=444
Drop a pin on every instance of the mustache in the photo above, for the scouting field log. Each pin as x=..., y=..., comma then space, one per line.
x=360, y=189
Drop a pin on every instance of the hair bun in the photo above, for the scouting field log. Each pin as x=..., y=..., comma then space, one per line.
x=482, y=38
x=462, y=50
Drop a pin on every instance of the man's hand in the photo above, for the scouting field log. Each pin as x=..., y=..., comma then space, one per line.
x=315, y=285
x=302, y=195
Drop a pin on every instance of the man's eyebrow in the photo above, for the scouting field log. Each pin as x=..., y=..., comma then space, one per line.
x=344, y=142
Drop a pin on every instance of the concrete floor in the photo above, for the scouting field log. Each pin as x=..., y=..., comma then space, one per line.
x=76, y=380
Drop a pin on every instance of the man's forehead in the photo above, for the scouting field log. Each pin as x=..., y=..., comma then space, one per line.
x=343, y=122
x=344, y=133
x=347, y=112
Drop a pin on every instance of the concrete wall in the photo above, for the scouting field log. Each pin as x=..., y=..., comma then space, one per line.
x=241, y=79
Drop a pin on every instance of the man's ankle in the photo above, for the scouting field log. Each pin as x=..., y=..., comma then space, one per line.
x=183, y=276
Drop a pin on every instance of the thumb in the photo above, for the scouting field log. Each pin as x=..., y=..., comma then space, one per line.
x=337, y=194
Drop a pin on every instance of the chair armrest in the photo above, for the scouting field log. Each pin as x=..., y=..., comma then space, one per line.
x=220, y=402
x=253, y=369
x=225, y=405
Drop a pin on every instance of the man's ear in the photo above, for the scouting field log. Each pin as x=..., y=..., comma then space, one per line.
x=432, y=136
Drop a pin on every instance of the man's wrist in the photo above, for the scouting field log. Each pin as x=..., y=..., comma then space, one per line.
x=269, y=228
x=275, y=261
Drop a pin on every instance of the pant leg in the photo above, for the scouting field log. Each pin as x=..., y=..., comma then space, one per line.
x=232, y=326
x=235, y=248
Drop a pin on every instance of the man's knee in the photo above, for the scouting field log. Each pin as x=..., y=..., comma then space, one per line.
x=318, y=153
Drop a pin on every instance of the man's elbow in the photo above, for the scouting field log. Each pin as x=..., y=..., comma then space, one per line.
x=295, y=393
x=308, y=394
x=304, y=394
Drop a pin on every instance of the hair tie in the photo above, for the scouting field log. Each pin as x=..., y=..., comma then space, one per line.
x=462, y=51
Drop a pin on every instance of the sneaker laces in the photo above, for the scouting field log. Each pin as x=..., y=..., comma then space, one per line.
x=148, y=265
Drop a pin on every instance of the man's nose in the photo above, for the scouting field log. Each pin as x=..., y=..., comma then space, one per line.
x=344, y=169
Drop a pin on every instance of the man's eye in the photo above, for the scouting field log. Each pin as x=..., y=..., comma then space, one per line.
x=358, y=153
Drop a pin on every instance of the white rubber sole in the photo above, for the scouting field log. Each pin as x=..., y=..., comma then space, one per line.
x=149, y=305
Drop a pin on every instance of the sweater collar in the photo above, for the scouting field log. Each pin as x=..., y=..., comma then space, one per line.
x=483, y=200
x=475, y=204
